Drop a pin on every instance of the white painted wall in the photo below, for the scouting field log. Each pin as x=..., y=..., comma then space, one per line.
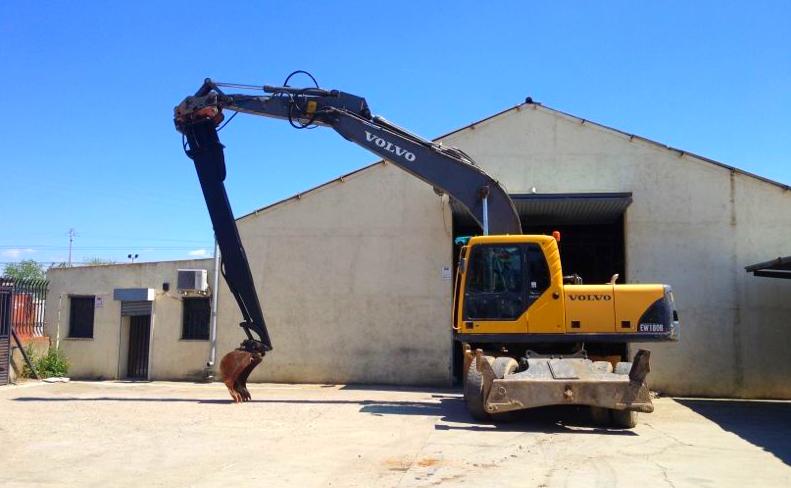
x=350, y=281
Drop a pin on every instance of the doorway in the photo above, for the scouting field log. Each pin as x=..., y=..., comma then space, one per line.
x=139, y=333
x=592, y=236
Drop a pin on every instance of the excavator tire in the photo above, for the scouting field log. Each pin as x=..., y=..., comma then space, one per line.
x=600, y=416
x=610, y=417
x=473, y=392
x=624, y=419
x=502, y=367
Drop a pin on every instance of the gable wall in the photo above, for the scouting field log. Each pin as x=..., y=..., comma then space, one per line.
x=349, y=277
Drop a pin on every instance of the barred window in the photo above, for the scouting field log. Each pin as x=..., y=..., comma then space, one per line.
x=195, y=318
x=81, y=316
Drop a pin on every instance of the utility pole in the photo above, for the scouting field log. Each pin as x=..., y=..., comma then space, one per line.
x=72, y=234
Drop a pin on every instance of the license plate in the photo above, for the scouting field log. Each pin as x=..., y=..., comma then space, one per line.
x=651, y=327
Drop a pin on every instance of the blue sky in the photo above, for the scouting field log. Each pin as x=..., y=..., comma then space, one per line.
x=89, y=144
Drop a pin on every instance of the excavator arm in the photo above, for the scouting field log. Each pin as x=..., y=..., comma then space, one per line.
x=447, y=169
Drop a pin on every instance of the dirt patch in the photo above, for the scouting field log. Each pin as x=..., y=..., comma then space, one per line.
x=427, y=462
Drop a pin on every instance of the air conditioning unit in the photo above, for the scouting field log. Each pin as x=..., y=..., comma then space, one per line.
x=192, y=281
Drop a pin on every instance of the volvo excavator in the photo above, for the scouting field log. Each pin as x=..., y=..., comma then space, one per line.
x=530, y=336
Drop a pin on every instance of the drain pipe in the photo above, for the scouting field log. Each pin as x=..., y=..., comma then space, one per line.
x=215, y=291
x=484, y=192
x=57, y=327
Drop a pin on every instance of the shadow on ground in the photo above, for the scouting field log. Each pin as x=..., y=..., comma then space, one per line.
x=448, y=407
x=764, y=424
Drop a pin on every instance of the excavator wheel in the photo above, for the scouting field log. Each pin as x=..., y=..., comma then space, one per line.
x=610, y=417
x=502, y=367
x=624, y=419
x=236, y=367
x=473, y=391
x=473, y=388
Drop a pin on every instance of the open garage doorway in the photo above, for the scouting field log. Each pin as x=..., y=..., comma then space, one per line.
x=592, y=237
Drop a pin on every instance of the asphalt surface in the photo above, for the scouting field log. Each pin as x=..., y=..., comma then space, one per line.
x=182, y=434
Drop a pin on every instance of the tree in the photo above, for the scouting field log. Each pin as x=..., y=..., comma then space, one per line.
x=27, y=269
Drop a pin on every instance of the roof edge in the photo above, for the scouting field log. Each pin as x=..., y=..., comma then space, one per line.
x=517, y=108
x=681, y=152
x=113, y=265
x=299, y=195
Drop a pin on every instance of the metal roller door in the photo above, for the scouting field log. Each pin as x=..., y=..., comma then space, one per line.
x=131, y=309
x=139, y=333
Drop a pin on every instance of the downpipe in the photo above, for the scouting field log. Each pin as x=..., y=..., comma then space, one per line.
x=215, y=291
x=484, y=193
x=485, y=216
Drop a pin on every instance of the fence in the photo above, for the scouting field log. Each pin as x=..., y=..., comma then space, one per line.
x=5, y=334
x=28, y=300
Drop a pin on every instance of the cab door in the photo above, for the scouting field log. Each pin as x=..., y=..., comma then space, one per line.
x=494, y=290
x=501, y=283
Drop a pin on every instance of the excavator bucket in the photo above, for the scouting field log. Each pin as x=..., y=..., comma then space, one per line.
x=236, y=367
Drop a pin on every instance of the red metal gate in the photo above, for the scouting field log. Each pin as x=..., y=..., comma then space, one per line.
x=5, y=334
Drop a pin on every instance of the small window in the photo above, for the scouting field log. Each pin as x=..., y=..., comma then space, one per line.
x=81, y=317
x=537, y=273
x=195, y=318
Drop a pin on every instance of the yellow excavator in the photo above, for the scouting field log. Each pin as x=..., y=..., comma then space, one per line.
x=531, y=336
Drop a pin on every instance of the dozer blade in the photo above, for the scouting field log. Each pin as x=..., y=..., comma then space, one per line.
x=574, y=381
x=236, y=367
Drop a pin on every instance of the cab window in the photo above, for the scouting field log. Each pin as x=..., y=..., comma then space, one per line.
x=503, y=280
x=537, y=272
x=495, y=283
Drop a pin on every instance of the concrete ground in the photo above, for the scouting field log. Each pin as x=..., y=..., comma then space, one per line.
x=181, y=434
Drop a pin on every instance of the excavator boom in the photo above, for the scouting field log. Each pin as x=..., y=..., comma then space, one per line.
x=447, y=169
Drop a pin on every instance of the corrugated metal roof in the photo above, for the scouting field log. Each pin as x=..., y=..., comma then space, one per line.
x=563, y=208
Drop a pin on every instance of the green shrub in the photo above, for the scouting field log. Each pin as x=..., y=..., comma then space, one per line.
x=53, y=363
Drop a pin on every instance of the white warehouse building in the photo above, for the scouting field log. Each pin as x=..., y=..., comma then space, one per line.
x=354, y=276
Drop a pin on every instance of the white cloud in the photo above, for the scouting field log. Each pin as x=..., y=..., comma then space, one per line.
x=16, y=253
x=199, y=253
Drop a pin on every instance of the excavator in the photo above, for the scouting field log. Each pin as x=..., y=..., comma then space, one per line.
x=530, y=336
